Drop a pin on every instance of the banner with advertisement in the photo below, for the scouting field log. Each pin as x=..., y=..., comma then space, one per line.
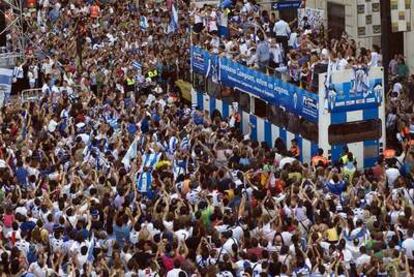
x=199, y=60
x=352, y=89
x=266, y=87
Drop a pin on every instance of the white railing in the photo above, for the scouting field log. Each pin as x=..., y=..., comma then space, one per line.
x=31, y=95
x=8, y=60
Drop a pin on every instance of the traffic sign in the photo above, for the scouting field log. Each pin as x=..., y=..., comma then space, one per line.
x=286, y=5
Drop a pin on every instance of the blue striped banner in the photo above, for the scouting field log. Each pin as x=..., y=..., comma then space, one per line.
x=226, y=110
x=200, y=101
x=212, y=103
x=268, y=133
x=253, y=121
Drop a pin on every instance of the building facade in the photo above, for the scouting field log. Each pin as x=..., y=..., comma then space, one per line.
x=343, y=15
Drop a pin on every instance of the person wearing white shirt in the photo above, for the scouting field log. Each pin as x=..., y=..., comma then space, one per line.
x=227, y=248
x=276, y=54
x=293, y=40
x=215, y=44
x=375, y=57
x=363, y=259
x=18, y=72
x=183, y=234
x=282, y=32
x=392, y=174
x=176, y=271
x=39, y=268
x=397, y=87
x=281, y=29
x=408, y=245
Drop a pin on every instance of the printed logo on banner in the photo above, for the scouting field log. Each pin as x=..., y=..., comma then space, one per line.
x=310, y=107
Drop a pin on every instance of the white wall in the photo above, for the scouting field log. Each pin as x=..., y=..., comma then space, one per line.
x=409, y=49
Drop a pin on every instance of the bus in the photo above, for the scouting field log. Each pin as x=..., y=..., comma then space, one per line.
x=347, y=109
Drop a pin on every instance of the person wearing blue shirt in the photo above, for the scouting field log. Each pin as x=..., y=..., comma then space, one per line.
x=132, y=127
x=263, y=52
x=335, y=184
x=121, y=230
x=198, y=118
x=145, y=125
x=21, y=174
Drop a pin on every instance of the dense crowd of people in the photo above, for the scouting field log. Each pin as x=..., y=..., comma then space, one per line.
x=109, y=173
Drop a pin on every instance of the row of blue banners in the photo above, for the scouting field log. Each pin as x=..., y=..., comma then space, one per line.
x=263, y=86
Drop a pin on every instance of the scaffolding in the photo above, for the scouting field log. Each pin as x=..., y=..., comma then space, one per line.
x=13, y=10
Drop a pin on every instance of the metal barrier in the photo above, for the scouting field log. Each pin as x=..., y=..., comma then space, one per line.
x=31, y=95
x=8, y=60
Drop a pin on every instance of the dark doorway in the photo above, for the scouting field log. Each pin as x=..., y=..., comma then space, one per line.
x=336, y=20
x=397, y=45
x=290, y=16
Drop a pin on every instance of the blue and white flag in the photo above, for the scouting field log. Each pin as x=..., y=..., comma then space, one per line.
x=173, y=26
x=137, y=65
x=172, y=145
x=91, y=246
x=143, y=22
x=149, y=160
x=185, y=143
x=144, y=181
x=178, y=168
x=131, y=153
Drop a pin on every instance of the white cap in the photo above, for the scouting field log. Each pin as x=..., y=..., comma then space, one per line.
x=21, y=210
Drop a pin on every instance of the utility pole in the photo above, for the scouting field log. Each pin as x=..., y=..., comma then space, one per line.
x=385, y=39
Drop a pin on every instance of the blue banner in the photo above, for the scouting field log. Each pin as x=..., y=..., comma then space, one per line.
x=286, y=5
x=265, y=87
x=248, y=80
x=199, y=60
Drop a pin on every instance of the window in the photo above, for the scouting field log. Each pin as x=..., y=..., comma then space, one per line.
x=213, y=88
x=199, y=82
x=260, y=107
x=277, y=116
x=293, y=123
x=244, y=102
x=309, y=130
x=355, y=131
x=227, y=95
